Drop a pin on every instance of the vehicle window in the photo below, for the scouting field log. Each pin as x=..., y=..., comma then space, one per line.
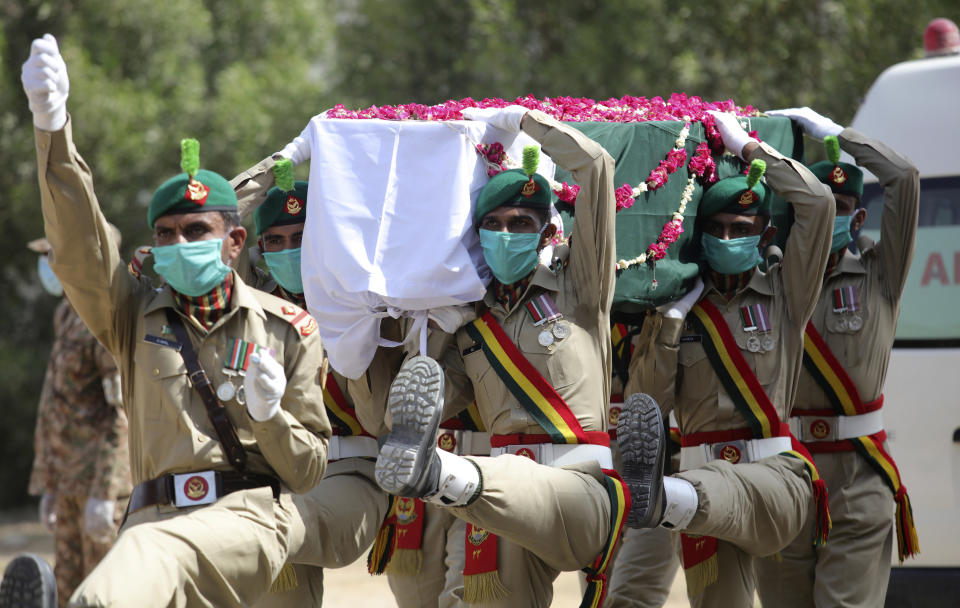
x=932, y=296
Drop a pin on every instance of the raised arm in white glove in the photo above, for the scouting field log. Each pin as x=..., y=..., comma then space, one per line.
x=814, y=124
x=733, y=135
x=98, y=518
x=507, y=119
x=45, y=81
x=679, y=308
x=264, y=385
x=48, y=517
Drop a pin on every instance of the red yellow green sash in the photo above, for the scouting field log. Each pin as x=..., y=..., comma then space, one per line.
x=525, y=383
x=344, y=417
x=829, y=374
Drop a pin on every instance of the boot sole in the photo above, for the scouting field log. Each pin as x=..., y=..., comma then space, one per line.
x=640, y=437
x=28, y=582
x=416, y=403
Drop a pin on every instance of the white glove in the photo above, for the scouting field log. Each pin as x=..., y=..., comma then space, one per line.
x=734, y=137
x=48, y=517
x=44, y=78
x=814, y=124
x=507, y=119
x=98, y=518
x=298, y=150
x=680, y=308
x=264, y=385
x=112, y=390
x=452, y=318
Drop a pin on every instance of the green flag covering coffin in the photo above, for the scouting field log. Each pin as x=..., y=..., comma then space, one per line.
x=637, y=149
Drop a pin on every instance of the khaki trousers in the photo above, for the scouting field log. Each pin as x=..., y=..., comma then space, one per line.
x=755, y=510
x=342, y=515
x=644, y=568
x=853, y=568
x=548, y=519
x=230, y=552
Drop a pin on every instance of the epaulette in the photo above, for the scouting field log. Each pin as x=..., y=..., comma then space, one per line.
x=291, y=313
x=135, y=267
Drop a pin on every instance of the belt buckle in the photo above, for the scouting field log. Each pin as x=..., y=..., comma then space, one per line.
x=820, y=428
x=192, y=489
x=731, y=451
x=531, y=451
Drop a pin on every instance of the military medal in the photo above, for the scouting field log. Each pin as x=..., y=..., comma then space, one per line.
x=226, y=391
x=236, y=364
x=545, y=338
x=846, y=303
x=756, y=319
x=561, y=330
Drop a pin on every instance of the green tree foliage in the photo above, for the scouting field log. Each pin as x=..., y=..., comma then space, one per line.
x=244, y=76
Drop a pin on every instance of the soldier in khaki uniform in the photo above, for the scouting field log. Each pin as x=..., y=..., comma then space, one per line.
x=757, y=506
x=81, y=465
x=856, y=317
x=548, y=502
x=204, y=527
x=347, y=503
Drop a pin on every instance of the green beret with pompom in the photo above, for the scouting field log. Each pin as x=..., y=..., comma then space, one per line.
x=742, y=194
x=193, y=191
x=516, y=188
x=843, y=178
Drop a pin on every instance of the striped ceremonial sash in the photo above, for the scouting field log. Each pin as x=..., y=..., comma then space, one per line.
x=528, y=386
x=845, y=399
x=548, y=408
x=753, y=403
x=344, y=416
x=619, y=497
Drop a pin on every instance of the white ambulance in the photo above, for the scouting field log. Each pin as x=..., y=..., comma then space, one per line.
x=913, y=107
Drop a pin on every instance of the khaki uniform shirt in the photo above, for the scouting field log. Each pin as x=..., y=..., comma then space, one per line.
x=80, y=444
x=169, y=428
x=677, y=372
x=581, y=284
x=879, y=274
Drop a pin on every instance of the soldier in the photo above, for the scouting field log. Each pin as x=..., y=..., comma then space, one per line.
x=730, y=373
x=538, y=360
x=211, y=520
x=347, y=503
x=837, y=416
x=81, y=466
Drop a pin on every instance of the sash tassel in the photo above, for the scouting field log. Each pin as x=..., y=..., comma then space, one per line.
x=907, y=543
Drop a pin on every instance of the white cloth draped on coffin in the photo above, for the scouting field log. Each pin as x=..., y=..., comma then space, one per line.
x=390, y=225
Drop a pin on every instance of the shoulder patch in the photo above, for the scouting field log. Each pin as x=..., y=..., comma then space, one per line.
x=291, y=313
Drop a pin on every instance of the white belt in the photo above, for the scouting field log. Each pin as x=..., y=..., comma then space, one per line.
x=464, y=443
x=835, y=428
x=740, y=450
x=347, y=446
x=559, y=454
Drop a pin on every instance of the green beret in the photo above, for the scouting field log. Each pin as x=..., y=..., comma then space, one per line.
x=512, y=189
x=843, y=178
x=208, y=191
x=282, y=208
x=731, y=195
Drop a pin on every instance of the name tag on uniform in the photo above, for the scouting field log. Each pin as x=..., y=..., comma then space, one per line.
x=471, y=349
x=691, y=338
x=195, y=488
x=162, y=342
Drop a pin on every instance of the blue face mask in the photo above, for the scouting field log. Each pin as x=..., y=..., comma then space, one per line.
x=510, y=256
x=841, y=232
x=192, y=269
x=731, y=256
x=285, y=269
x=49, y=280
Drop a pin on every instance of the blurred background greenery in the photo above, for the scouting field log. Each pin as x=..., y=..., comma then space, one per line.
x=245, y=76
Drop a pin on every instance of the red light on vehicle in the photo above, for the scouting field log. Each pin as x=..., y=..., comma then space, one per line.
x=941, y=38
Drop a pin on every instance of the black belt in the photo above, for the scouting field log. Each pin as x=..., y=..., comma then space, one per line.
x=160, y=491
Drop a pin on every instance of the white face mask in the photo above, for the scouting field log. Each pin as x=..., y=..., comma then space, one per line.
x=51, y=284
